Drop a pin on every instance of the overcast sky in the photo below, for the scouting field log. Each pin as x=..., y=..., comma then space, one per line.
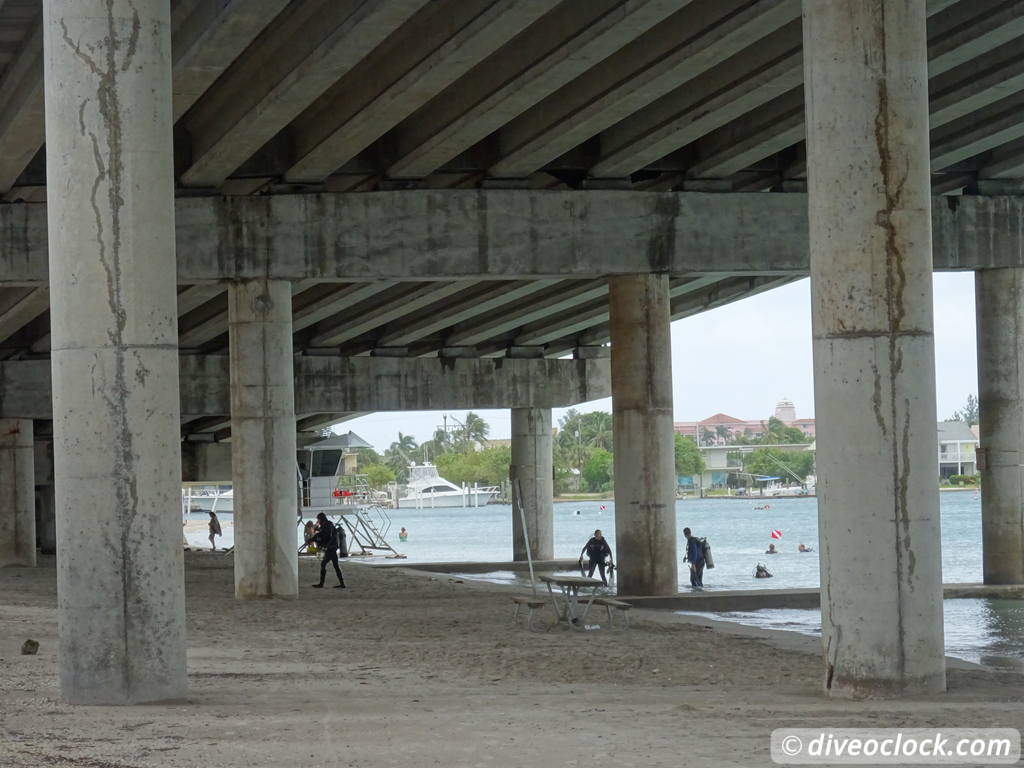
x=742, y=358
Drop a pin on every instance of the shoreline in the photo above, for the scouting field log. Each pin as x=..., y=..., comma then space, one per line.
x=409, y=664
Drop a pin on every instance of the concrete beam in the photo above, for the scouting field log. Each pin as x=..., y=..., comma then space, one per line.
x=648, y=68
x=324, y=384
x=506, y=86
x=435, y=235
x=417, y=63
x=310, y=46
x=955, y=36
x=742, y=83
x=208, y=37
x=351, y=384
x=21, y=107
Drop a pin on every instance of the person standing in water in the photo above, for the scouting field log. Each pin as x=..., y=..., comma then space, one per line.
x=597, y=550
x=403, y=535
x=214, y=530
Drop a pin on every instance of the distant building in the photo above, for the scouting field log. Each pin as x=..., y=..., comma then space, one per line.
x=723, y=428
x=958, y=444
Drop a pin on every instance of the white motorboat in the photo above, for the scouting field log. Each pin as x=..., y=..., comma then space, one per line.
x=205, y=498
x=427, y=489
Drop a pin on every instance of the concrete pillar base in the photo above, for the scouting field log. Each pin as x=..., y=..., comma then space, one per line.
x=263, y=439
x=17, y=493
x=1000, y=309
x=645, y=480
x=532, y=464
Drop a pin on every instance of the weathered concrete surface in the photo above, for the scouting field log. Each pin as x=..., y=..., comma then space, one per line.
x=532, y=465
x=263, y=439
x=874, y=359
x=114, y=350
x=1000, y=310
x=351, y=384
x=46, y=519
x=325, y=384
x=514, y=234
x=46, y=500
x=645, y=479
x=17, y=493
x=206, y=462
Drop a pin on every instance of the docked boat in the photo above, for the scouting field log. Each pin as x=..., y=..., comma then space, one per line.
x=428, y=490
x=207, y=498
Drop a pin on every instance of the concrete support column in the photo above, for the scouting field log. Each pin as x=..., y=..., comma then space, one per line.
x=17, y=493
x=113, y=317
x=645, y=482
x=866, y=84
x=263, y=438
x=532, y=464
x=1000, y=309
x=46, y=519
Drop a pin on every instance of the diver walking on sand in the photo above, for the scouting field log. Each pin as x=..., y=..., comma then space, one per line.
x=326, y=539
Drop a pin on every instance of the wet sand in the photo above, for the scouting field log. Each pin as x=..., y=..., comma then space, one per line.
x=415, y=669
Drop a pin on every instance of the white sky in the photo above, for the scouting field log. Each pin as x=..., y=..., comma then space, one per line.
x=742, y=358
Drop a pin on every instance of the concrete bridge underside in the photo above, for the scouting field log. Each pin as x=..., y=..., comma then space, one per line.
x=228, y=219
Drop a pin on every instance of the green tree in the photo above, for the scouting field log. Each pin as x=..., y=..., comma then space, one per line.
x=968, y=413
x=399, y=454
x=378, y=475
x=689, y=460
x=367, y=456
x=598, y=470
x=772, y=462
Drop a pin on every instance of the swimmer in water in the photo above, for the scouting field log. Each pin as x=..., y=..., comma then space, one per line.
x=403, y=535
x=771, y=550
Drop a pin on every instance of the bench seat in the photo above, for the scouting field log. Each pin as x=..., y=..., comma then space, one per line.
x=532, y=603
x=619, y=605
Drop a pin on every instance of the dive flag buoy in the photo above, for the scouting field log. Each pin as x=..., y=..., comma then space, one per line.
x=777, y=534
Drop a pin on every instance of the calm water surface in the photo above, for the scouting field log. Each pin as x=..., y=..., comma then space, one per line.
x=739, y=533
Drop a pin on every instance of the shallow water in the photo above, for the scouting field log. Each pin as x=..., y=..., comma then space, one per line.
x=738, y=533
x=976, y=629
x=982, y=630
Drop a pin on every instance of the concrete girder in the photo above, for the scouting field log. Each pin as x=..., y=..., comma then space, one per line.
x=348, y=384
x=30, y=304
x=956, y=35
x=319, y=420
x=209, y=322
x=969, y=29
x=208, y=37
x=646, y=69
x=510, y=235
x=551, y=303
x=309, y=47
x=475, y=303
x=976, y=84
x=324, y=301
x=680, y=292
x=332, y=333
x=445, y=41
x=978, y=132
x=579, y=320
x=195, y=296
x=1005, y=162
x=745, y=81
x=505, y=86
x=21, y=107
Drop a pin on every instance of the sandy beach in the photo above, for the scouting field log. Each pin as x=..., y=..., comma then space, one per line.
x=414, y=669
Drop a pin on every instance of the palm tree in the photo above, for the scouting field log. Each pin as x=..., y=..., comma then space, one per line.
x=706, y=436
x=475, y=429
x=597, y=430
x=724, y=434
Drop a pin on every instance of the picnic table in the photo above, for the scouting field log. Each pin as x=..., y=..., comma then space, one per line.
x=569, y=587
